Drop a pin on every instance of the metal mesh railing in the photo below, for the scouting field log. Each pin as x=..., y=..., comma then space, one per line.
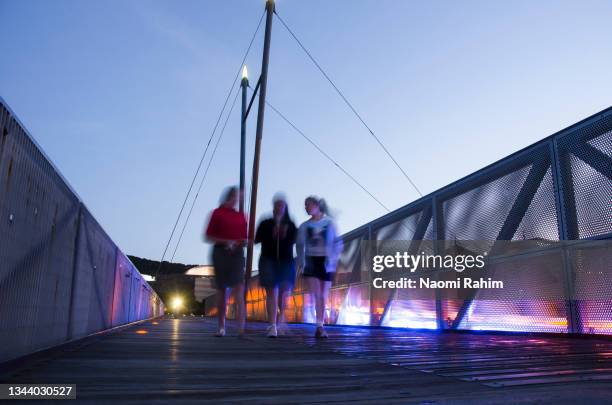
x=557, y=189
x=61, y=276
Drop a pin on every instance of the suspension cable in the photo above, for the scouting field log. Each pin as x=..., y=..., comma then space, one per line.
x=212, y=156
x=326, y=155
x=406, y=226
x=208, y=144
x=348, y=103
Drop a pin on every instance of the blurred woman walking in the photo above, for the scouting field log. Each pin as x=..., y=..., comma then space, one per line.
x=227, y=230
x=318, y=250
x=276, y=263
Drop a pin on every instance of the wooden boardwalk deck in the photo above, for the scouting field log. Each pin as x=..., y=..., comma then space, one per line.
x=180, y=361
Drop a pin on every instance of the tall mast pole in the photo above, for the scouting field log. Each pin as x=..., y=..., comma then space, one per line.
x=260, y=121
x=244, y=84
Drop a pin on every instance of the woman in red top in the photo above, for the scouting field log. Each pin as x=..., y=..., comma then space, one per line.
x=227, y=229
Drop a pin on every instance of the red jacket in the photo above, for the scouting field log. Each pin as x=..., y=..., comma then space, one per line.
x=227, y=223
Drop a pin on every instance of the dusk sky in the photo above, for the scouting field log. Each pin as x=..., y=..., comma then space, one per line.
x=123, y=96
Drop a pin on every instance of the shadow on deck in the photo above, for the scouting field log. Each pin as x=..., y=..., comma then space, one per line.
x=180, y=361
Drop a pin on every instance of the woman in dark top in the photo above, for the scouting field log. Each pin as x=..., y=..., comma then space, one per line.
x=276, y=262
x=227, y=229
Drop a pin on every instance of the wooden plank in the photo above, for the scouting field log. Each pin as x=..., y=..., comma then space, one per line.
x=180, y=361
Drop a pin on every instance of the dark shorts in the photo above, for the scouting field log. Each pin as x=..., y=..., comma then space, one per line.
x=315, y=267
x=273, y=273
x=229, y=266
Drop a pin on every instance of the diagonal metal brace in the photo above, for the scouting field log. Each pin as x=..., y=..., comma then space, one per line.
x=417, y=239
x=514, y=218
x=594, y=158
x=246, y=114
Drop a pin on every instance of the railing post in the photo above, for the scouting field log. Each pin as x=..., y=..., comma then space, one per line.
x=129, y=305
x=573, y=320
x=364, y=262
x=436, y=221
x=112, y=311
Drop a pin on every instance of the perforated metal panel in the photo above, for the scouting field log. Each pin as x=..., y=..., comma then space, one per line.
x=355, y=307
x=592, y=191
x=337, y=297
x=586, y=163
x=527, y=302
x=479, y=213
x=401, y=308
x=595, y=316
x=405, y=312
x=401, y=229
x=540, y=221
x=350, y=269
x=593, y=273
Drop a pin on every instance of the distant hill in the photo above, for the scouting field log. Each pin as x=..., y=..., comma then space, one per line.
x=146, y=266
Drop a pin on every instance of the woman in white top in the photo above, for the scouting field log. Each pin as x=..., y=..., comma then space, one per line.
x=318, y=249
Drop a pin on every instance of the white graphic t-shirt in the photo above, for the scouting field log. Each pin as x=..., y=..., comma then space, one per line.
x=319, y=238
